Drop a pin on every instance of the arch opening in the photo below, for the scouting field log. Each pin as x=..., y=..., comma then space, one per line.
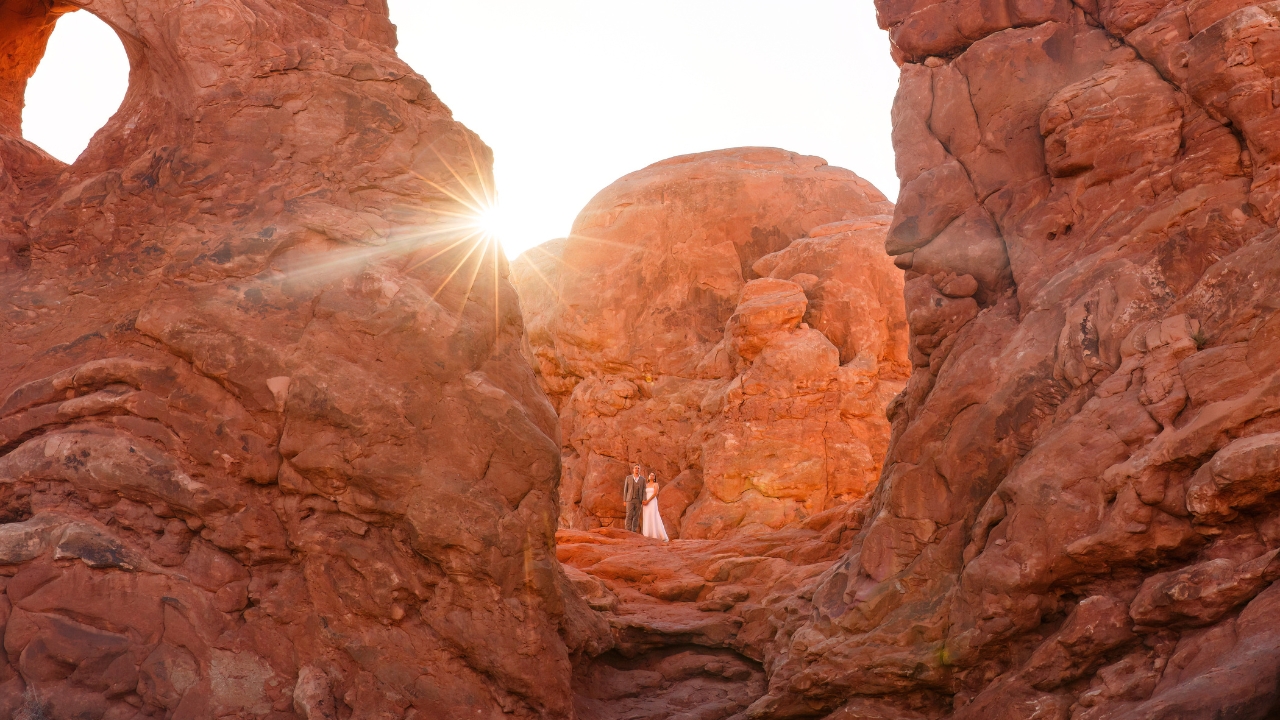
x=68, y=79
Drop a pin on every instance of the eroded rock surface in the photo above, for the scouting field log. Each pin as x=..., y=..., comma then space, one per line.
x=268, y=447
x=729, y=320
x=691, y=619
x=1078, y=515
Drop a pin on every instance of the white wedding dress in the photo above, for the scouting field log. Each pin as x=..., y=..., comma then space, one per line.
x=651, y=519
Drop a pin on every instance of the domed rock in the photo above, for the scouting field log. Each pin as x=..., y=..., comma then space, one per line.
x=728, y=320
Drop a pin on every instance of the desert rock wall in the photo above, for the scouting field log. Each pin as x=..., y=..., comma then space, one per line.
x=268, y=446
x=1077, y=516
x=729, y=321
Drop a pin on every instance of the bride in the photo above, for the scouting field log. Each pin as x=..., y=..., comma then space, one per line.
x=651, y=520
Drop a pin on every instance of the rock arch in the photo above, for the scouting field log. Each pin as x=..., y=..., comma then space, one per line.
x=78, y=86
x=267, y=443
x=24, y=33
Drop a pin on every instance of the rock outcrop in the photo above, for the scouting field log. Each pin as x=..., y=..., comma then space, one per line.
x=728, y=320
x=692, y=618
x=268, y=446
x=1078, y=514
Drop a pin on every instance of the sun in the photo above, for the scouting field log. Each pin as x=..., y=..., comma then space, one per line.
x=493, y=222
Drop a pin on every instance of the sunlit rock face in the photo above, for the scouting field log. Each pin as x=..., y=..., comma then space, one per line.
x=268, y=447
x=1078, y=515
x=728, y=320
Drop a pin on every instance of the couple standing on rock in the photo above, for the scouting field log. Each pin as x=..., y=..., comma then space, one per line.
x=641, y=497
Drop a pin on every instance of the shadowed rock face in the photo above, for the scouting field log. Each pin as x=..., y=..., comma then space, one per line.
x=691, y=618
x=730, y=321
x=1078, y=513
x=268, y=446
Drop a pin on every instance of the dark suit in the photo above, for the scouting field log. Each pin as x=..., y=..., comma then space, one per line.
x=633, y=496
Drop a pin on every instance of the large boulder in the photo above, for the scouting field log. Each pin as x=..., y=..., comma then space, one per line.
x=268, y=447
x=728, y=320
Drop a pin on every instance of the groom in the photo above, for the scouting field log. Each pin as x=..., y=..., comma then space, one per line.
x=633, y=496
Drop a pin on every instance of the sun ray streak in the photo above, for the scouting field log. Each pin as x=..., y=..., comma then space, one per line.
x=490, y=198
x=475, y=209
x=554, y=290
x=459, y=225
x=466, y=296
x=599, y=241
x=455, y=270
x=476, y=201
x=559, y=259
x=497, y=298
x=453, y=245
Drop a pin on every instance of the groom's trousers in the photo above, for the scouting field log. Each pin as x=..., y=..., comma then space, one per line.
x=633, y=515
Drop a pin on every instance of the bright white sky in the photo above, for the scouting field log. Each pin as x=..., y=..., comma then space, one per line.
x=77, y=88
x=573, y=94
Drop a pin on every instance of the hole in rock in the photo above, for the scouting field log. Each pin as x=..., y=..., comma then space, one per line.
x=79, y=82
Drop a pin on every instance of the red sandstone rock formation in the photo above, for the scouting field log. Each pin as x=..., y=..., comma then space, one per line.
x=730, y=321
x=692, y=618
x=268, y=447
x=1078, y=515
x=264, y=454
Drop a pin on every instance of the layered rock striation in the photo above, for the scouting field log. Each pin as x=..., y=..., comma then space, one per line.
x=1078, y=514
x=268, y=446
x=729, y=321
x=691, y=619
